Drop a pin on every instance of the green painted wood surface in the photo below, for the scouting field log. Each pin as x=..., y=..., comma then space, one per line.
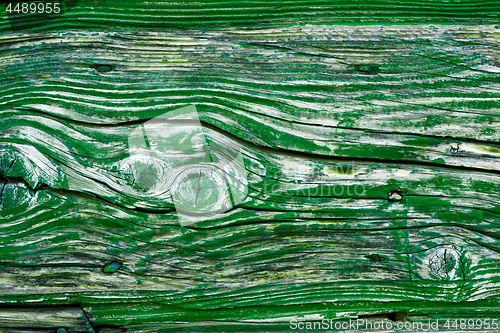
x=369, y=133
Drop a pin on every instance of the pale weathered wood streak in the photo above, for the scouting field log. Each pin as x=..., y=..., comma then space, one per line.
x=44, y=319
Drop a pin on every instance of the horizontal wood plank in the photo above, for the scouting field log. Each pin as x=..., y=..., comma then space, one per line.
x=44, y=319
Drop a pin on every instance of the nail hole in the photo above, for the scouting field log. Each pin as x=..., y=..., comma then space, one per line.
x=102, y=68
x=397, y=316
x=395, y=195
x=393, y=316
x=111, y=267
x=367, y=69
x=375, y=258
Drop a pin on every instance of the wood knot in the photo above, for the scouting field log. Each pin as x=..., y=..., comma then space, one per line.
x=145, y=174
x=61, y=330
x=447, y=263
x=202, y=189
x=368, y=69
x=444, y=262
x=102, y=68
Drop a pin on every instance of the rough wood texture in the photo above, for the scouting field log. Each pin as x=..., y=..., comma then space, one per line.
x=44, y=319
x=368, y=133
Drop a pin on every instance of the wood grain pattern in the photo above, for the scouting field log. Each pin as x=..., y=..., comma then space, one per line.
x=44, y=319
x=369, y=135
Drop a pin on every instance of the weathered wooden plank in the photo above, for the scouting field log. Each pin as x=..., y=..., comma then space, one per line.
x=282, y=318
x=117, y=15
x=423, y=118
x=44, y=319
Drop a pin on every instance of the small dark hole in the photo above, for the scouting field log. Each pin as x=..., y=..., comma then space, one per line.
x=393, y=316
x=375, y=258
x=102, y=68
x=397, y=316
x=367, y=69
